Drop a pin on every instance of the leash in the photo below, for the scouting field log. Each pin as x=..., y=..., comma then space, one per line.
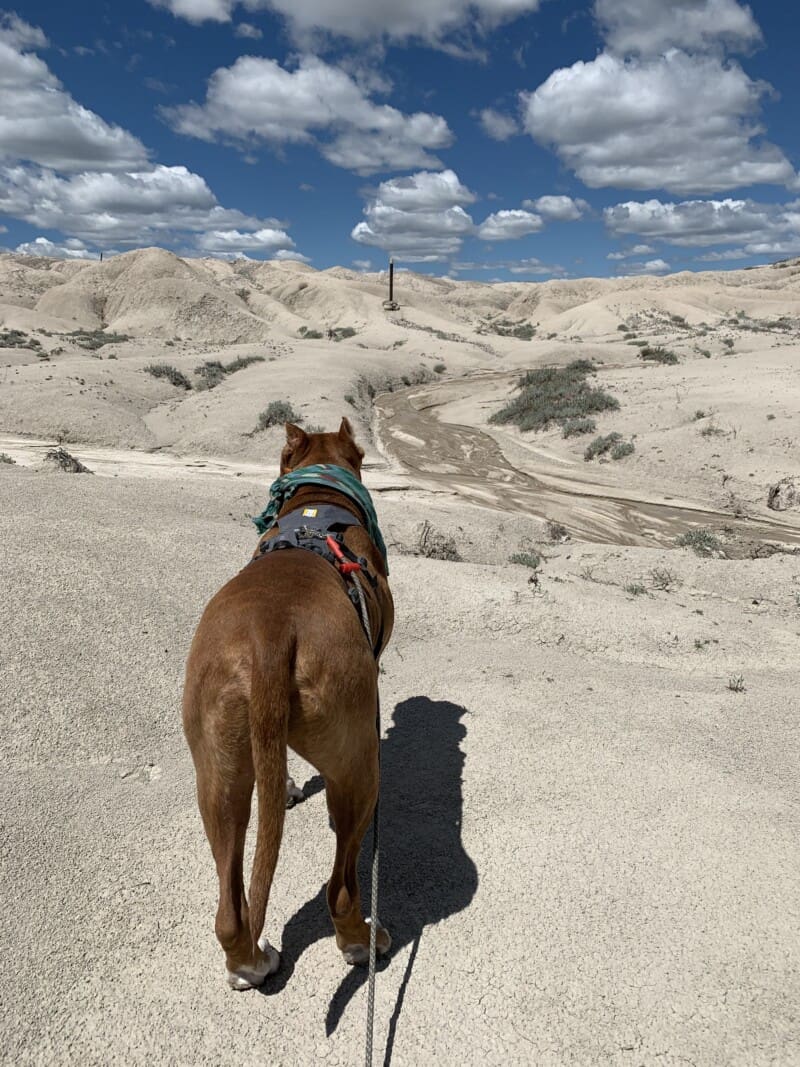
x=373, y=907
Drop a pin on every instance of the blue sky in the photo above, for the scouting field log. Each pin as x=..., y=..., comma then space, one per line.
x=494, y=139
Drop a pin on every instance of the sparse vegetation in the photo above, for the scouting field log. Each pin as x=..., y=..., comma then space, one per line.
x=340, y=332
x=95, y=339
x=623, y=449
x=702, y=541
x=556, y=531
x=172, y=374
x=635, y=589
x=275, y=413
x=699, y=414
x=573, y=427
x=712, y=430
x=601, y=445
x=658, y=355
x=19, y=339
x=736, y=683
x=5, y=458
x=555, y=394
x=310, y=335
x=663, y=579
x=526, y=559
x=212, y=372
x=63, y=461
x=440, y=368
x=433, y=544
x=523, y=331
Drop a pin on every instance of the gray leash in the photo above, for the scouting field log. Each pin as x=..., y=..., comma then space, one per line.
x=373, y=907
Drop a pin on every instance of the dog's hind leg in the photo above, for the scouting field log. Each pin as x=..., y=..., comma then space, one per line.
x=351, y=803
x=225, y=779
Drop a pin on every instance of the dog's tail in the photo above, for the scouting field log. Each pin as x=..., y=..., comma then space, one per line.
x=269, y=720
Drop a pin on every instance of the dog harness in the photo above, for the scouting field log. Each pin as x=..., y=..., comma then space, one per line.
x=320, y=529
x=330, y=476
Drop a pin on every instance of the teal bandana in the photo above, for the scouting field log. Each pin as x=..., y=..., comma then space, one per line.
x=326, y=474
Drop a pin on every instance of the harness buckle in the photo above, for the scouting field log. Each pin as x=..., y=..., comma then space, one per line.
x=343, y=565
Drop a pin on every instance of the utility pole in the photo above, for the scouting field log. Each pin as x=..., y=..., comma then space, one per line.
x=391, y=304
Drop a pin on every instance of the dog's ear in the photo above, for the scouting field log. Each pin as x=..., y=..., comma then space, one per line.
x=295, y=437
x=346, y=431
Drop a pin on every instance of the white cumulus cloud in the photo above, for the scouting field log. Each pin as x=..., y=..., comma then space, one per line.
x=695, y=223
x=41, y=122
x=677, y=122
x=319, y=104
x=558, y=208
x=509, y=225
x=497, y=125
x=650, y=27
x=360, y=20
x=43, y=246
x=419, y=218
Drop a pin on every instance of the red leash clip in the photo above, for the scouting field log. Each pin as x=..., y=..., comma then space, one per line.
x=344, y=565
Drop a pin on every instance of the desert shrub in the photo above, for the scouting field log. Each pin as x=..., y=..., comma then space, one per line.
x=19, y=339
x=701, y=541
x=63, y=461
x=623, y=449
x=658, y=355
x=210, y=373
x=523, y=331
x=276, y=412
x=736, y=683
x=526, y=559
x=172, y=374
x=439, y=368
x=310, y=335
x=635, y=589
x=555, y=394
x=728, y=342
x=601, y=445
x=5, y=458
x=712, y=430
x=340, y=332
x=241, y=362
x=622, y=327
x=556, y=531
x=94, y=339
x=699, y=414
x=663, y=579
x=433, y=544
x=573, y=427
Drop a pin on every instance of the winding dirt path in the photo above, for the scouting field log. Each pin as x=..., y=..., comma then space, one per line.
x=446, y=456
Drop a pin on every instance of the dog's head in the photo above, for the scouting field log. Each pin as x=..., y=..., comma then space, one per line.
x=304, y=449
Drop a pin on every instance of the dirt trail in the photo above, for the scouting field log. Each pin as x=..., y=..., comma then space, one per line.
x=469, y=462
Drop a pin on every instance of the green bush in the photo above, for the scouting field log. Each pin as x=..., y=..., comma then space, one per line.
x=555, y=394
x=526, y=559
x=5, y=458
x=601, y=445
x=439, y=368
x=94, y=339
x=658, y=355
x=172, y=374
x=701, y=541
x=623, y=449
x=573, y=427
x=276, y=412
x=340, y=332
x=210, y=373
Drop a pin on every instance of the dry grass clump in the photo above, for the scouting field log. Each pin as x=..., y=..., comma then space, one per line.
x=63, y=461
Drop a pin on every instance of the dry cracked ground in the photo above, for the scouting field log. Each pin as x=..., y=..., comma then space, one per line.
x=590, y=791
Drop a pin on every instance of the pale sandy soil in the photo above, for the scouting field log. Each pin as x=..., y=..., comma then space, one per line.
x=590, y=840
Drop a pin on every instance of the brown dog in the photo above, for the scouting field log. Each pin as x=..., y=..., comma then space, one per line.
x=280, y=658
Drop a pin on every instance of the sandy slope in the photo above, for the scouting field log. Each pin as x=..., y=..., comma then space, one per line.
x=591, y=841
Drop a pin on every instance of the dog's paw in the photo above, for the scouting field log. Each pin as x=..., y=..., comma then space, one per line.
x=293, y=793
x=252, y=977
x=358, y=955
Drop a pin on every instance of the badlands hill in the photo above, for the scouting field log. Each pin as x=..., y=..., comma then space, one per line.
x=591, y=739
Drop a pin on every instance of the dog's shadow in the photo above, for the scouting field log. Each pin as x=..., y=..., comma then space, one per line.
x=426, y=875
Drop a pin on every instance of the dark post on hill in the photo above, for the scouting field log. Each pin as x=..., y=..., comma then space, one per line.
x=391, y=304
